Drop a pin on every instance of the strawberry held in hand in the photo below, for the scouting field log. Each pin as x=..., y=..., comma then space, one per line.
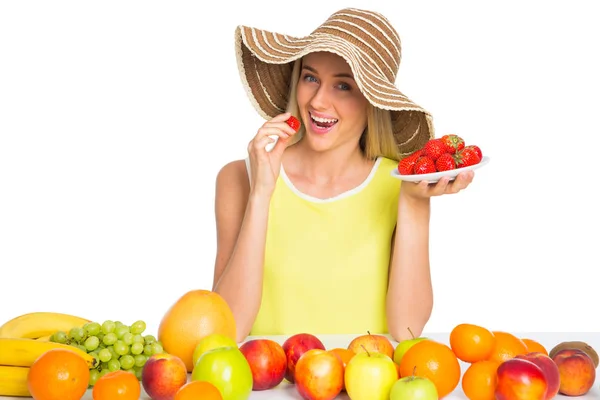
x=293, y=122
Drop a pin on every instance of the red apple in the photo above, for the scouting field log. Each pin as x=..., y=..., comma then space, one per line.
x=372, y=344
x=295, y=346
x=577, y=372
x=548, y=367
x=319, y=375
x=520, y=379
x=163, y=375
x=267, y=361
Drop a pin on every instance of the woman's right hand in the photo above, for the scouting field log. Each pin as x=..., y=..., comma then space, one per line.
x=265, y=165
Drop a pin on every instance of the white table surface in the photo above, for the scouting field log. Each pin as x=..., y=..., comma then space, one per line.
x=286, y=390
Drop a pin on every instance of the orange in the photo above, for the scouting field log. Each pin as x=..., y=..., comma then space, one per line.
x=117, y=385
x=344, y=354
x=58, y=374
x=471, y=343
x=198, y=390
x=506, y=346
x=533, y=345
x=435, y=361
x=479, y=380
x=196, y=314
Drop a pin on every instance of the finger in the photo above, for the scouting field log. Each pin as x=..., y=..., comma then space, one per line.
x=462, y=181
x=283, y=131
x=260, y=144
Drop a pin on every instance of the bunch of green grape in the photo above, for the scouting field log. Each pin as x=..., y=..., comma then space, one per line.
x=115, y=346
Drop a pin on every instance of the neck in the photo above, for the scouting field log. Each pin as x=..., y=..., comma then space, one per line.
x=328, y=166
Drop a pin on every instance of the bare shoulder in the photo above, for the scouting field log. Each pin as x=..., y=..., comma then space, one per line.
x=232, y=180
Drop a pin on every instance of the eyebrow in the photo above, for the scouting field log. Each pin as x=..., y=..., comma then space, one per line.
x=342, y=75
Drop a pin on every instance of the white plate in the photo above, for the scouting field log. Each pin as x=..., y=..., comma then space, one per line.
x=436, y=176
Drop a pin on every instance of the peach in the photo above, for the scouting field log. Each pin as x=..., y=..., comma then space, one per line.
x=520, y=379
x=295, y=346
x=163, y=375
x=577, y=372
x=319, y=375
x=372, y=344
x=548, y=367
x=267, y=362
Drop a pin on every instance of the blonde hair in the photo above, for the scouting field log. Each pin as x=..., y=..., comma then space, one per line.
x=376, y=140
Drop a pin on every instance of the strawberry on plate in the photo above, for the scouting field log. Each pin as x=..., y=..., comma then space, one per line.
x=467, y=157
x=445, y=162
x=453, y=143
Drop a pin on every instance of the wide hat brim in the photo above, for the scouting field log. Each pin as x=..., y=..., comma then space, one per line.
x=265, y=61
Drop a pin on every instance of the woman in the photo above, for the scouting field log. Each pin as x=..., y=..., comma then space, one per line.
x=315, y=235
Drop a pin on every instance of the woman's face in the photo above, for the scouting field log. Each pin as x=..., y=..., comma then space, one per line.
x=332, y=107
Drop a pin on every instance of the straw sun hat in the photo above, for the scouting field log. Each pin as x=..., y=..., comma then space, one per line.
x=365, y=39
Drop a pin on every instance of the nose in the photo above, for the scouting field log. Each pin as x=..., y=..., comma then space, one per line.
x=321, y=98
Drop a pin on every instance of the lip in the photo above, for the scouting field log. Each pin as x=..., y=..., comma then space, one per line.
x=317, y=129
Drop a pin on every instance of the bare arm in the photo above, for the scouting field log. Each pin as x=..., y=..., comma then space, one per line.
x=241, y=219
x=410, y=295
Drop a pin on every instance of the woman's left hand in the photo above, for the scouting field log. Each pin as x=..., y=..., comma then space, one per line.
x=424, y=189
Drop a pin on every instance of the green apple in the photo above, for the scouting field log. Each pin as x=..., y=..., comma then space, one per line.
x=227, y=369
x=404, y=345
x=413, y=388
x=209, y=342
x=370, y=376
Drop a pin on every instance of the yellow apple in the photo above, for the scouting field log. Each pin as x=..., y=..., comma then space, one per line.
x=370, y=376
x=209, y=342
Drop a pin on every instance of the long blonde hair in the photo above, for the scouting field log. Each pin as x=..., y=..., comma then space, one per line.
x=376, y=140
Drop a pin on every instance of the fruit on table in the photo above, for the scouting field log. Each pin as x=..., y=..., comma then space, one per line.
x=435, y=361
x=210, y=342
x=579, y=345
x=440, y=154
x=520, y=379
x=196, y=314
x=19, y=352
x=345, y=356
x=370, y=376
x=404, y=345
x=228, y=370
x=117, y=385
x=372, y=343
x=198, y=390
x=58, y=374
x=471, y=343
x=163, y=375
x=319, y=375
x=506, y=346
x=479, y=380
x=38, y=324
x=413, y=388
x=13, y=381
x=267, y=362
x=549, y=368
x=534, y=346
x=294, y=347
x=577, y=371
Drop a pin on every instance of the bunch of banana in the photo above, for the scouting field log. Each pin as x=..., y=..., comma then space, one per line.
x=13, y=381
x=40, y=324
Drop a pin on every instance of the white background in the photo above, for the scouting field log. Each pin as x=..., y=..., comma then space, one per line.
x=116, y=116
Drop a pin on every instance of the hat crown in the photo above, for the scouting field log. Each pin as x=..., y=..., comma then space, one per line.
x=369, y=34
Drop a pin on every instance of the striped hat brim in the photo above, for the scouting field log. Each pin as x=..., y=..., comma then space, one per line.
x=265, y=61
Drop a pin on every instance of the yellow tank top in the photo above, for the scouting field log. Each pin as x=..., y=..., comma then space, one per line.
x=327, y=260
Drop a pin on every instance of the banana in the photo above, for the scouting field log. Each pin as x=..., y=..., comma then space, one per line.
x=44, y=338
x=20, y=352
x=13, y=381
x=37, y=324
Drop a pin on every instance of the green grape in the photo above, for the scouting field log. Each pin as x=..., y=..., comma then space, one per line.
x=91, y=343
x=121, y=330
x=76, y=334
x=113, y=352
x=130, y=370
x=138, y=327
x=100, y=336
x=136, y=348
x=127, y=361
x=138, y=339
x=104, y=355
x=114, y=365
x=148, y=350
x=95, y=355
x=140, y=360
x=156, y=348
x=80, y=347
x=92, y=328
x=108, y=326
x=104, y=372
x=118, y=323
x=104, y=365
x=121, y=348
x=94, y=376
x=59, y=337
x=109, y=338
x=149, y=339
x=100, y=346
x=138, y=372
x=128, y=338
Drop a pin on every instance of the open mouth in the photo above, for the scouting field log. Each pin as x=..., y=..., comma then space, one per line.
x=322, y=125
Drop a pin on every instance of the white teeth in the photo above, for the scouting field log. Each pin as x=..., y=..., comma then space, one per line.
x=324, y=120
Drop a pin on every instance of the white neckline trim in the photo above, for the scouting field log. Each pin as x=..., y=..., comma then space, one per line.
x=342, y=195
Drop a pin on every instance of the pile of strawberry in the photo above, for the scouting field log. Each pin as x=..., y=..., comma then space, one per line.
x=441, y=154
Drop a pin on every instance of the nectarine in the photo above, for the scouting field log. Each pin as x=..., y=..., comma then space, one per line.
x=577, y=372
